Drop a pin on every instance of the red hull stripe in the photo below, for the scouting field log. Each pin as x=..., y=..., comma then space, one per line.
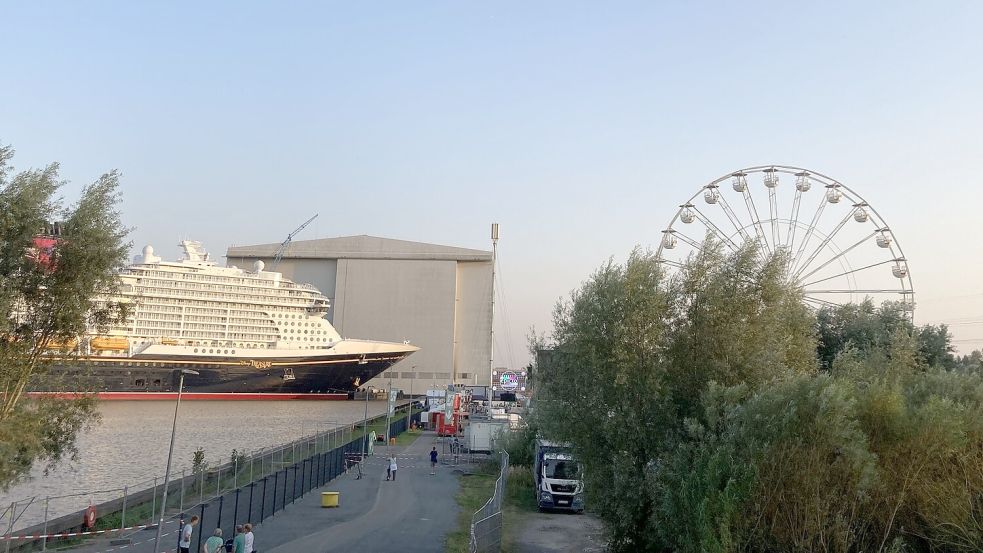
x=226, y=396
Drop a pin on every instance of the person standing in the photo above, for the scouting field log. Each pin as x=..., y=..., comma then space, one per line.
x=433, y=461
x=215, y=543
x=239, y=542
x=185, y=542
x=392, y=466
x=248, y=538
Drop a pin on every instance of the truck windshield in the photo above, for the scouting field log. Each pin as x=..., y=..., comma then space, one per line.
x=562, y=470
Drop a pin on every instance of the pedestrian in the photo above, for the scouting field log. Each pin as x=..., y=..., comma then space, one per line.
x=185, y=543
x=214, y=543
x=433, y=461
x=392, y=466
x=247, y=538
x=239, y=542
x=389, y=471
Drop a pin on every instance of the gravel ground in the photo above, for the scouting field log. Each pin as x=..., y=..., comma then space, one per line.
x=560, y=532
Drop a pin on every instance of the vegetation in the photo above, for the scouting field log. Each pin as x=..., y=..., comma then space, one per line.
x=714, y=413
x=474, y=490
x=47, y=299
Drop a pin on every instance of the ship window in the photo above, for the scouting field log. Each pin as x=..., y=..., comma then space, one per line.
x=233, y=352
x=157, y=382
x=226, y=352
x=138, y=382
x=196, y=350
x=211, y=351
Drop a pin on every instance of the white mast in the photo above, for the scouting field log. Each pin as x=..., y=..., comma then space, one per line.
x=491, y=315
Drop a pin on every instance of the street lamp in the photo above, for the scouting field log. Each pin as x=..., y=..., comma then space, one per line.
x=170, y=454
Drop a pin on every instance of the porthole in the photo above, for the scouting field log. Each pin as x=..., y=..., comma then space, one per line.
x=211, y=351
x=196, y=350
x=233, y=352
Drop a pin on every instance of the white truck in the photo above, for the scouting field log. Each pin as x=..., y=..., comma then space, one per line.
x=558, y=476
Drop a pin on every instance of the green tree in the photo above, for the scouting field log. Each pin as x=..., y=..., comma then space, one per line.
x=47, y=303
x=632, y=353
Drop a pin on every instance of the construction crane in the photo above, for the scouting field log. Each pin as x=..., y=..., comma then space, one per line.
x=278, y=254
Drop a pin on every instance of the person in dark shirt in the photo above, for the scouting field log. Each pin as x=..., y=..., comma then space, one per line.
x=433, y=461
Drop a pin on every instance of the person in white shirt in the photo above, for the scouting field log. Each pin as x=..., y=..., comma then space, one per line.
x=185, y=542
x=392, y=467
x=249, y=537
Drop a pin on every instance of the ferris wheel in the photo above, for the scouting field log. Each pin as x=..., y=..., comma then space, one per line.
x=840, y=249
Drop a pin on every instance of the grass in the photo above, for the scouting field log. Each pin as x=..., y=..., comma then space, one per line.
x=474, y=491
x=520, y=500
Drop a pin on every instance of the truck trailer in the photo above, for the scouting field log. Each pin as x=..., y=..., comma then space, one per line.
x=558, y=476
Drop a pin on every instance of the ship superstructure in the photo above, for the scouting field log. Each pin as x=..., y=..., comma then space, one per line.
x=244, y=331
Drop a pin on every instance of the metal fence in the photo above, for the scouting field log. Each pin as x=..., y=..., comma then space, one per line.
x=486, y=523
x=247, y=488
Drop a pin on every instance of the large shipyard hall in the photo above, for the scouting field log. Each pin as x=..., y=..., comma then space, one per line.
x=438, y=298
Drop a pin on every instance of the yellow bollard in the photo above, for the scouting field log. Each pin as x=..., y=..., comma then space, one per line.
x=392, y=441
x=330, y=499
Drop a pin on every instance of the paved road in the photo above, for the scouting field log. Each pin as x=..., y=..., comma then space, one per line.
x=411, y=515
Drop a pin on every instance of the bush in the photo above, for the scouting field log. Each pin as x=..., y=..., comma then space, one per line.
x=520, y=444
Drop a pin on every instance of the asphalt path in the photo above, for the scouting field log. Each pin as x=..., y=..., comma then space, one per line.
x=412, y=514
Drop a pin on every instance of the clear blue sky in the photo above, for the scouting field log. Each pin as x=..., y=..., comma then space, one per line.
x=577, y=126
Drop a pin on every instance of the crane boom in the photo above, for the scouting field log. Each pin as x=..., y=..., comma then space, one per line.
x=278, y=254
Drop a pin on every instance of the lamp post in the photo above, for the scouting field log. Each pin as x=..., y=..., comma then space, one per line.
x=389, y=408
x=170, y=454
x=365, y=424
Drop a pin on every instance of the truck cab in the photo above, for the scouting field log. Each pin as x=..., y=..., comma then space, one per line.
x=559, y=477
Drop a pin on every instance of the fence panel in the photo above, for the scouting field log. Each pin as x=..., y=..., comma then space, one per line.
x=486, y=523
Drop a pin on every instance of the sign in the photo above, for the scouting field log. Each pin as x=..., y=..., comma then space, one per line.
x=392, y=400
x=509, y=380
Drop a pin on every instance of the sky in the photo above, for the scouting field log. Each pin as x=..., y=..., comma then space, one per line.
x=578, y=127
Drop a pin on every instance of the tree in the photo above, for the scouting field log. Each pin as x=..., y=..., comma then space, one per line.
x=48, y=299
x=869, y=328
x=633, y=351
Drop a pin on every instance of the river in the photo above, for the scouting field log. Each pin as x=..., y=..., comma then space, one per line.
x=128, y=445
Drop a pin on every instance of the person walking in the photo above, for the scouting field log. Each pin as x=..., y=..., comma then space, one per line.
x=248, y=539
x=215, y=543
x=392, y=467
x=433, y=461
x=239, y=542
x=184, y=544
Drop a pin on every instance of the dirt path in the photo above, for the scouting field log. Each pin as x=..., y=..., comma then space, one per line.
x=559, y=532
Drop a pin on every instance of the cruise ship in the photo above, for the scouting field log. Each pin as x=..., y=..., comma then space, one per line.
x=249, y=334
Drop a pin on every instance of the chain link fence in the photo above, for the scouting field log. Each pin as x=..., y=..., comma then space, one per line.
x=486, y=523
x=247, y=488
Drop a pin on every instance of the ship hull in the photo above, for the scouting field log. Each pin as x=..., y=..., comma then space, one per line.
x=316, y=377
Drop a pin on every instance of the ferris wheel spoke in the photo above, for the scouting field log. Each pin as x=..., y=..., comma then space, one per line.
x=837, y=256
x=734, y=220
x=688, y=240
x=819, y=302
x=796, y=272
x=773, y=213
x=755, y=219
x=811, y=229
x=859, y=291
x=790, y=236
x=669, y=262
x=850, y=272
x=712, y=226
